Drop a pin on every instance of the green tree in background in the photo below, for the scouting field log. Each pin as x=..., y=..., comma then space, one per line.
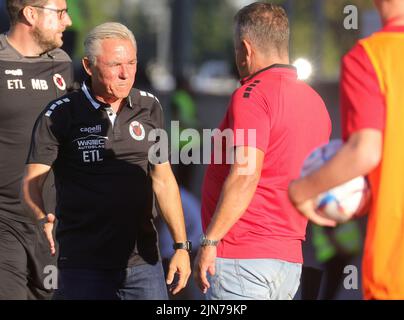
x=338, y=40
x=212, y=30
x=212, y=23
x=86, y=14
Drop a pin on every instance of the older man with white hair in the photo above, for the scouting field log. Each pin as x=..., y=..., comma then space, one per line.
x=96, y=140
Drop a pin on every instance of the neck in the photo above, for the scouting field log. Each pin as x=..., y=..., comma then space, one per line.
x=262, y=63
x=21, y=39
x=394, y=21
x=115, y=103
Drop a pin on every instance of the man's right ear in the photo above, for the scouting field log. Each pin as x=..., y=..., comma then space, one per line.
x=248, y=52
x=29, y=14
x=86, y=65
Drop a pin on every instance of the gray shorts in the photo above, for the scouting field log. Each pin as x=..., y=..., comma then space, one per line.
x=254, y=279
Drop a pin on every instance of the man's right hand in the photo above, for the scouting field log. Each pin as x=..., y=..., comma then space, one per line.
x=205, y=262
x=47, y=229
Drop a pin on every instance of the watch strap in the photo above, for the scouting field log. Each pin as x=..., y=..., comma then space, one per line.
x=187, y=245
x=208, y=242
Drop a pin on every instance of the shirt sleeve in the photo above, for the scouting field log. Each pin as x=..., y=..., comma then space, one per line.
x=157, y=117
x=250, y=120
x=47, y=136
x=157, y=114
x=362, y=103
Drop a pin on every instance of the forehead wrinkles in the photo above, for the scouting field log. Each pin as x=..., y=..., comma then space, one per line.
x=118, y=49
x=121, y=49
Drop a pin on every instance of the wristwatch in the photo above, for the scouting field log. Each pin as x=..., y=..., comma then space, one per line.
x=187, y=245
x=207, y=242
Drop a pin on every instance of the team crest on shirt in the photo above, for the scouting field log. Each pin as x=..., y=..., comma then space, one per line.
x=137, y=131
x=59, y=81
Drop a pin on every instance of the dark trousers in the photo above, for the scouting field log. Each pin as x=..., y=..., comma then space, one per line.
x=24, y=257
x=142, y=282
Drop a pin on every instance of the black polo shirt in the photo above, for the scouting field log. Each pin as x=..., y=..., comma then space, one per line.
x=27, y=84
x=104, y=190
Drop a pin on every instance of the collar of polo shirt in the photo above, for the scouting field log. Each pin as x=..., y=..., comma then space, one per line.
x=85, y=87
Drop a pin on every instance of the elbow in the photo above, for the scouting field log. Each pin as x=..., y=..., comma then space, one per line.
x=24, y=189
x=372, y=160
x=368, y=156
x=157, y=188
x=365, y=148
x=254, y=179
x=161, y=186
x=30, y=185
x=25, y=195
x=249, y=182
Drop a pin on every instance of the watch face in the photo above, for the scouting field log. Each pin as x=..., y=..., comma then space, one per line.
x=187, y=245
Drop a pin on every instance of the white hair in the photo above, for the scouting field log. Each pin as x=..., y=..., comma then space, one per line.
x=108, y=30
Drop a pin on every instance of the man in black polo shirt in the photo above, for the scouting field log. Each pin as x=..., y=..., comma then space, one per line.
x=97, y=140
x=33, y=71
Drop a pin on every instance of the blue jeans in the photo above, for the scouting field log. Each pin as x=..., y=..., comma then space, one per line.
x=142, y=282
x=254, y=279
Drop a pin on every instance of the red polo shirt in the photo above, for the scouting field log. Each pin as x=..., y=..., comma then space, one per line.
x=290, y=120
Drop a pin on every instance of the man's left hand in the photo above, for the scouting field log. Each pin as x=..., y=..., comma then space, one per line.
x=180, y=264
x=307, y=208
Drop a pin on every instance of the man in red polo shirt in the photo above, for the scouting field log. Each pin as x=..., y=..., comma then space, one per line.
x=251, y=248
x=372, y=115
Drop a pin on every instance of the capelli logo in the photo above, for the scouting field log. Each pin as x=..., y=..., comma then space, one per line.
x=17, y=72
x=96, y=129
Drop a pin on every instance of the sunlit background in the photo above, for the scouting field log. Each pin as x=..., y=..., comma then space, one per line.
x=192, y=39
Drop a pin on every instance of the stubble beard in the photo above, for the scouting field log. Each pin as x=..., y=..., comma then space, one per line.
x=45, y=42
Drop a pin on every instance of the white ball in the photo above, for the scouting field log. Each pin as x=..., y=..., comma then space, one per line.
x=344, y=201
